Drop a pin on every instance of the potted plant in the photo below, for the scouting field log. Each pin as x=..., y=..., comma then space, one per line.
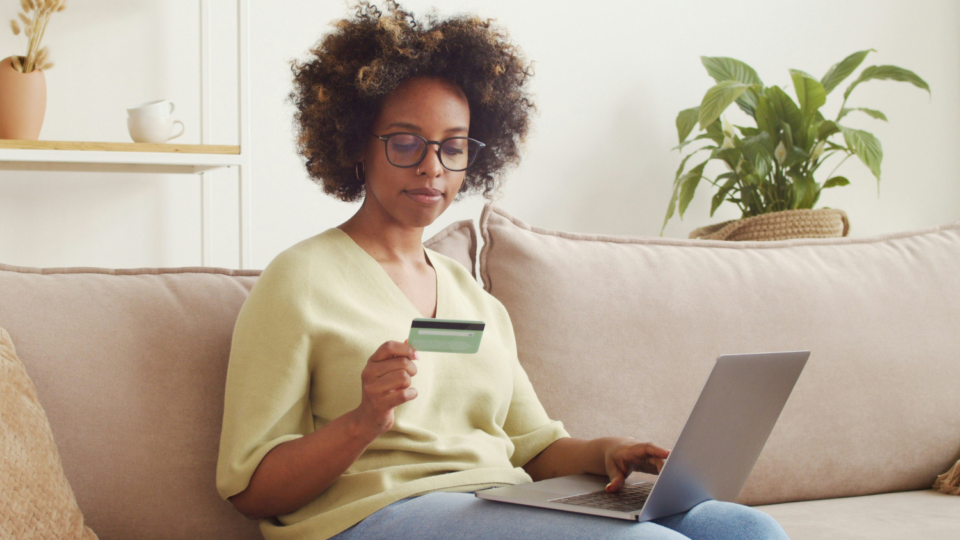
x=23, y=89
x=771, y=168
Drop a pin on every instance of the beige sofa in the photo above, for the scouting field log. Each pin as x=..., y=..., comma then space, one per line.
x=617, y=334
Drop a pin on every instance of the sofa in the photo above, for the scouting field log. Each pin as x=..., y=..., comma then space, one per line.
x=617, y=334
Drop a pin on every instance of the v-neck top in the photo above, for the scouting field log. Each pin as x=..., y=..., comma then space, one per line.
x=378, y=273
x=314, y=317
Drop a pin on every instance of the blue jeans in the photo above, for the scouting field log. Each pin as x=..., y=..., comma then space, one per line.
x=461, y=516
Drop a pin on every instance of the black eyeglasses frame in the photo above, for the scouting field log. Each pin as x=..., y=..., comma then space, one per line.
x=426, y=146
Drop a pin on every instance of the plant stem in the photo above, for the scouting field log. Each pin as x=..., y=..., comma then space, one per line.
x=43, y=31
x=31, y=46
x=829, y=176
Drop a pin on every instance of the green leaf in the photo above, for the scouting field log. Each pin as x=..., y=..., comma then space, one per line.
x=874, y=113
x=684, y=162
x=691, y=141
x=671, y=206
x=758, y=151
x=718, y=98
x=841, y=70
x=804, y=190
x=810, y=93
x=730, y=155
x=834, y=146
x=893, y=73
x=786, y=136
x=722, y=194
x=826, y=129
x=715, y=132
x=866, y=147
x=764, y=116
x=689, y=184
x=794, y=156
x=686, y=121
x=748, y=101
x=748, y=131
x=811, y=138
x=782, y=108
x=729, y=69
x=835, y=181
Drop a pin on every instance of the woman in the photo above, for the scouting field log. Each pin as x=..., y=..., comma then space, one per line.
x=332, y=426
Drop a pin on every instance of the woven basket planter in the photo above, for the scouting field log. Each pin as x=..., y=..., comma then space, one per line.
x=784, y=225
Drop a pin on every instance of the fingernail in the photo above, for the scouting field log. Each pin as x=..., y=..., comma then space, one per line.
x=608, y=486
x=416, y=355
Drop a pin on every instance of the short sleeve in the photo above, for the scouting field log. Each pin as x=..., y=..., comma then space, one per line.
x=527, y=424
x=266, y=399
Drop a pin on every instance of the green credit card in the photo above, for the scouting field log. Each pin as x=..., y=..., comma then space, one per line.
x=446, y=335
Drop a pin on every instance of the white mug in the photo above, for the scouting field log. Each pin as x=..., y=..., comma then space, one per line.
x=153, y=129
x=161, y=107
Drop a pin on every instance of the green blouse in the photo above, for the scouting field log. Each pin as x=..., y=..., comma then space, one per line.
x=314, y=317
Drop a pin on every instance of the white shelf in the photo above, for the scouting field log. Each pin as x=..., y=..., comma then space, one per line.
x=74, y=156
x=115, y=157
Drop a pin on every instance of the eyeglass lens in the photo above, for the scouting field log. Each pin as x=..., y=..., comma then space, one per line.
x=406, y=150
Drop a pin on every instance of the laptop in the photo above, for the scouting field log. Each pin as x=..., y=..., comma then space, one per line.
x=716, y=450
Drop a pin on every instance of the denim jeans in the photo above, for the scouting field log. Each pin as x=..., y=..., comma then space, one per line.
x=461, y=516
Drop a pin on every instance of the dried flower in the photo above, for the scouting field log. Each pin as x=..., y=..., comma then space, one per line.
x=17, y=65
x=42, y=56
x=34, y=29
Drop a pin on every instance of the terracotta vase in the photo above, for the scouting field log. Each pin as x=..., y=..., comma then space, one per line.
x=23, y=102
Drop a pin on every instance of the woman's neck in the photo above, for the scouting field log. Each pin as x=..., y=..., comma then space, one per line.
x=385, y=239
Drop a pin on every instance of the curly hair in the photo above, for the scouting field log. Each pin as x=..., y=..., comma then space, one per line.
x=337, y=93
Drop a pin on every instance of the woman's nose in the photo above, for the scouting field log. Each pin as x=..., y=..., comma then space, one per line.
x=431, y=165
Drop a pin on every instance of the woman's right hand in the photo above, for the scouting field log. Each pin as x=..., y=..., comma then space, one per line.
x=386, y=383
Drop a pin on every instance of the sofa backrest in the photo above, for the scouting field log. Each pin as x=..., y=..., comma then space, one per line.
x=130, y=367
x=618, y=335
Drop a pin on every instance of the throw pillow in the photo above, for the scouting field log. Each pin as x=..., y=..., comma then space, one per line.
x=949, y=482
x=457, y=241
x=36, y=500
x=617, y=335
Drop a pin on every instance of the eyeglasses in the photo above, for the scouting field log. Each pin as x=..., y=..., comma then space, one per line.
x=408, y=149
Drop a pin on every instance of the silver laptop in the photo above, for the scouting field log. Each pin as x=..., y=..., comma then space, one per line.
x=719, y=444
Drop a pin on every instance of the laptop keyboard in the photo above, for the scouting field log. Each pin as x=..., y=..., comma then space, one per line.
x=629, y=499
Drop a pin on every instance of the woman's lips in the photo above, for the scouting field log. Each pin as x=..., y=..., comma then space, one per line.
x=421, y=196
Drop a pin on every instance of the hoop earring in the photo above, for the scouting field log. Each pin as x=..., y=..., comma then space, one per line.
x=359, y=170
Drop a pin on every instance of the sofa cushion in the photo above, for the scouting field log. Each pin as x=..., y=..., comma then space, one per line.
x=130, y=366
x=459, y=242
x=631, y=326
x=36, y=500
x=926, y=514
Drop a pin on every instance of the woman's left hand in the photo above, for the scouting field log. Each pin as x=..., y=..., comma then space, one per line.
x=623, y=456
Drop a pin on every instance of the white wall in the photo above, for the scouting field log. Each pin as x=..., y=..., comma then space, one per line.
x=610, y=79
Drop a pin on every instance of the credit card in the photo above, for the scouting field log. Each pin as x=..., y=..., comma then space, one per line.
x=446, y=335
